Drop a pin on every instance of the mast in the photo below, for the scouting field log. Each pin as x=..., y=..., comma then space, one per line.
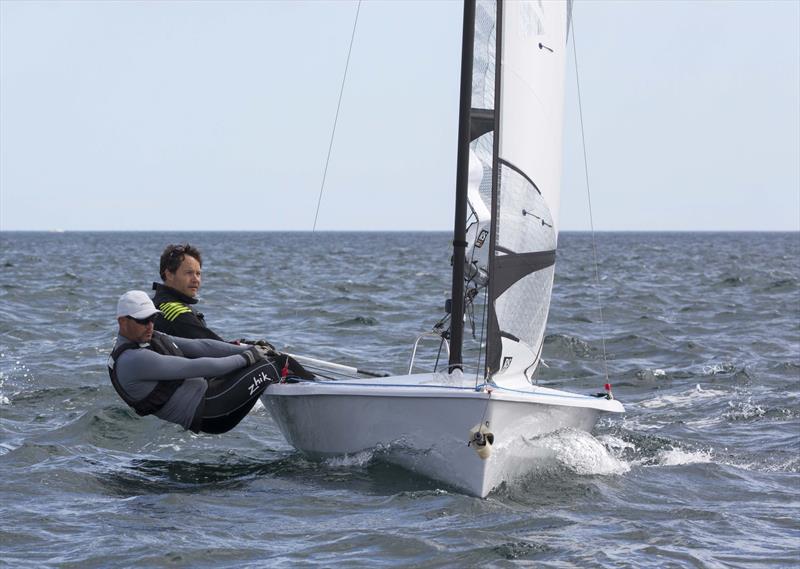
x=462, y=178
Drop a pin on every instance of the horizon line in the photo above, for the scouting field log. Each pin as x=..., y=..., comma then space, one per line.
x=56, y=231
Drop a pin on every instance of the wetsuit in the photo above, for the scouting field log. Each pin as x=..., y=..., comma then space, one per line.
x=179, y=317
x=210, y=405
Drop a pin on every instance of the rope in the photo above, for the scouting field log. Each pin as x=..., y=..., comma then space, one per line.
x=336, y=118
x=589, y=196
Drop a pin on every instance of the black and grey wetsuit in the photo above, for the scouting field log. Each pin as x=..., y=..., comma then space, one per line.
x=179, y=316
x=211, y=405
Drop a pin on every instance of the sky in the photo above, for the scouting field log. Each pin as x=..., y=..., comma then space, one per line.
x=203, y=115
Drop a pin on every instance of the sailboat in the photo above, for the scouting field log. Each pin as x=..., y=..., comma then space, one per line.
x=473, y=432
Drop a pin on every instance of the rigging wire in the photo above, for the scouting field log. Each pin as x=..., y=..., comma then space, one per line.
x=591, y=217
x=469, y=299
x=336, y=118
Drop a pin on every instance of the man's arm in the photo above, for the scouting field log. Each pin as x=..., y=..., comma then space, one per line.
x=149, y=366
x=198, y=348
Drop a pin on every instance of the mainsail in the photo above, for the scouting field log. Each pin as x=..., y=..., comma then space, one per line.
x=515, y=171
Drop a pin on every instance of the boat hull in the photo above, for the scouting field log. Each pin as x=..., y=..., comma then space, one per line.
x=426, y=427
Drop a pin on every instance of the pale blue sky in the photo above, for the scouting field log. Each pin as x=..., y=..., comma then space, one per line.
x=204, y=115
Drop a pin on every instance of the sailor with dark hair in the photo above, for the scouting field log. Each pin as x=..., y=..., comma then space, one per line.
x=166, y=376
x=180, y=269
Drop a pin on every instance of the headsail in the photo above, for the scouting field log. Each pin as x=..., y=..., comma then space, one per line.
x=517, y=121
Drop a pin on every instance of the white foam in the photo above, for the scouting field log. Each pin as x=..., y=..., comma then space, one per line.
x=581, y=453
x=170, y=446
x=678, y=457
x=652, y=374
x=682, y=399
x=743, y=410
x=643, y=422
x=616, y=444
x=715, y=369
x=4, y=400
x=787, y=465
x=358, y=460
x=705, y=423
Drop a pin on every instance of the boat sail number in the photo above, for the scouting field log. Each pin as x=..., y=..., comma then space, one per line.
x=506, y=363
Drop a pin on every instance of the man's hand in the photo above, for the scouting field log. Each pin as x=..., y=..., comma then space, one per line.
x=267, y=352
x=252, y=355
x=262, y=343
x=265, y=344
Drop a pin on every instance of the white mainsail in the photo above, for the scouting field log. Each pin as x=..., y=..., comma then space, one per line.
x=532, y=93
x=526, y=157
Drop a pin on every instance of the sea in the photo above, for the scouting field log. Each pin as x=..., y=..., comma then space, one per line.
x=698, y=333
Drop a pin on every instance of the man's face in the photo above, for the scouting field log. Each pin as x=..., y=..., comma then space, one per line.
x=136, y=331
x=186, y=279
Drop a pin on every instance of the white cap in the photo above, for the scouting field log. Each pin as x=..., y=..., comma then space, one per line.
x=135, y=303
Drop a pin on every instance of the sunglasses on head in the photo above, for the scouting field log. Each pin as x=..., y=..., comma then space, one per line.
x=144, y=321
x=177, y=251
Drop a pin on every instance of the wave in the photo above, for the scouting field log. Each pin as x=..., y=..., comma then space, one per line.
x=651, y=375
x=634, y=448
x=570, y=346
x=580, y=453
x=744, y=411
x=685, y=399
x=693, y=372
x=154, y=475
x=679, y=457
x=357, y=321
x=644, y=450
x=357, y=460
x=719, y=369
x=732, y=281
x=522, y=550
x=782, y=285
x=750, y=411
x=352, y=286
x=648, y=450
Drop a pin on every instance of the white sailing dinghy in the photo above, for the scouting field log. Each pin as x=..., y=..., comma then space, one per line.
x=474, y=432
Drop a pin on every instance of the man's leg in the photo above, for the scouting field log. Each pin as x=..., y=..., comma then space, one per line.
x=230, y=397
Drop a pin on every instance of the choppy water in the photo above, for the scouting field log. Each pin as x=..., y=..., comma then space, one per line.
x=703, y=340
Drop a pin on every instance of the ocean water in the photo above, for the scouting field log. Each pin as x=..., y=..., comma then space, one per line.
x=702, y=341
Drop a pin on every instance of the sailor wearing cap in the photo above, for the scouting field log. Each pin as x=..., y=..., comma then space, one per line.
x=167, y=376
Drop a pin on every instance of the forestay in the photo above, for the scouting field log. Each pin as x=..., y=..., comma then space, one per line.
x=515, y=171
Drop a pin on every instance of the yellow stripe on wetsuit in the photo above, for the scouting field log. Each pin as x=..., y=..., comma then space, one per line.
x=172, y=310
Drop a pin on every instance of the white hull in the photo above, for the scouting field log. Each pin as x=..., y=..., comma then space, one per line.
x=423, y=423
